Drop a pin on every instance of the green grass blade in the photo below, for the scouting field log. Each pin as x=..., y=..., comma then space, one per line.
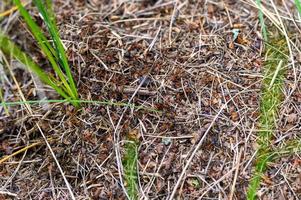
x=48, y=17
x=35, y=29
x=12, y=50
x=44, y=45
x=49, y=7
x=107, y=103
x=298, y=5
x=261, y=19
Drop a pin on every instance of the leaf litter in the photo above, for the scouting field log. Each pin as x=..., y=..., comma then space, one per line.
x=190, y=68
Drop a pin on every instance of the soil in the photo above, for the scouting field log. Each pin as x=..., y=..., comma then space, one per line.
x=179, y=59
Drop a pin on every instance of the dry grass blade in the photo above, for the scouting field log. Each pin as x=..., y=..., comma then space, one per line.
x=5, y=158
x=187, y=78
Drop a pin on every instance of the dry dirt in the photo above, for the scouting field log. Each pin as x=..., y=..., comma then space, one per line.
x=182, y=62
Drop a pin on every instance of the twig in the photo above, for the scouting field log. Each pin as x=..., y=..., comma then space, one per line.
x=196, y=148
x=57, y=163
x=236, y=174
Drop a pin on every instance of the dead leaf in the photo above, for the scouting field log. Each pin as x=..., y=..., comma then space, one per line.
x=234, y=116
x=134, y=135
x=267, y=180
x=231, y=45
x=238, y=25
x=242, y=40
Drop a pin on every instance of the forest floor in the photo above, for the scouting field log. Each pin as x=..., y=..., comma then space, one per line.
x=194, y=71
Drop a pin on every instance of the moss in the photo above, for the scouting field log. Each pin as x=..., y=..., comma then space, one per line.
x=272, y=96
x=130, y=167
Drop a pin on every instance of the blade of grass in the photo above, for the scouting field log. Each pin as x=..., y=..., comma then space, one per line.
x=261, y=19
x=49, y=7
x=35, y=29
x=52, y=54
x=109, y=103
x=45, y=46
x=12, y=50
x=298, y=5
x=43, y=43
x=48, y=17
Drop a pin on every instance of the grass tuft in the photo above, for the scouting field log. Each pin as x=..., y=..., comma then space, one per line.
x=64, y=83
x=292, y=146
x=12, y=50
x=130, y=165
x=271, y=98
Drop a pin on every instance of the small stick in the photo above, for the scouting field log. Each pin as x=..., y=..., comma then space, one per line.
x=5, y=158
x=140, y=92
x=236, y=174
x=57, y=163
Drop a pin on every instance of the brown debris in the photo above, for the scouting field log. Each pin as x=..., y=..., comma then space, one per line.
x=190, y=66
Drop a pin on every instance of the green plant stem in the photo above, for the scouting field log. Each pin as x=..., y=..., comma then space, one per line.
x=55, y=53
x=79, y=101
